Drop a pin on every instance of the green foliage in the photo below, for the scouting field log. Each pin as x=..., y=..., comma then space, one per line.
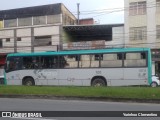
x=110, y=92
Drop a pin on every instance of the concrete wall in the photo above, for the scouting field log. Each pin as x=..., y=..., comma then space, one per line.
x=25, y=34
x=117, y=37
x=151, y=23
x=1, y=72
x=150, y=20
x=67, y=17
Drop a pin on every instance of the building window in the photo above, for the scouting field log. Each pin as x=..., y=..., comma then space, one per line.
x=25, y=21
x=158, y=6
x=98, y=57
x=52, y=19
x=8, y=39
x=42, y=41
x=1, y=43
x=10, y=23
x=158, y=31
x=137, y=8
x=39, y=20
x=138, y=33
x=19, y=39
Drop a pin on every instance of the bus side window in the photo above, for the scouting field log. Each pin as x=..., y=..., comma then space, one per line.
x=48, y=62
x=71, y=61
x=62, y=62
x=27, y=62
x=54, y=62
x=85, y=61
x=112, y=60
x=135, y=60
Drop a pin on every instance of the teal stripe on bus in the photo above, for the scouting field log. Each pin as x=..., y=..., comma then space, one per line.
x=81, y=52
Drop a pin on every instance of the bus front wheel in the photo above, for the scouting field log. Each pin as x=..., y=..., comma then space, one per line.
x=97, y=82
x=28, y=81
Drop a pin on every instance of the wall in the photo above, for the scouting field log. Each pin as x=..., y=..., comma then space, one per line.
x=86, y=21
x=117, y=37
x=67, y=17
x=1, y=24
x=24, y=45
x=151, y=23
x=150, y=20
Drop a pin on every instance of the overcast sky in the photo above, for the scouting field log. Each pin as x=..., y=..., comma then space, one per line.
x=103, y=11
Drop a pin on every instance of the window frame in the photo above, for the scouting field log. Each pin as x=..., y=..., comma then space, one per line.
x=137, y=8
x=138, y=33
x=158, y=31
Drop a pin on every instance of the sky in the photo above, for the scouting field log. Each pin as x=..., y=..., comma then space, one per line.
x=103, y=11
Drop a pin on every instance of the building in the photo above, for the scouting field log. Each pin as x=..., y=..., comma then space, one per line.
x=142, y=26
x=93, y=36
x=35, y=28
x=87, y=21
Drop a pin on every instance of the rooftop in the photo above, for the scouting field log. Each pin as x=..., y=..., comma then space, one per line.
x=91, y=32
x=51, y=9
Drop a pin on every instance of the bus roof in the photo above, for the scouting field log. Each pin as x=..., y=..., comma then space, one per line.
x=75, y=52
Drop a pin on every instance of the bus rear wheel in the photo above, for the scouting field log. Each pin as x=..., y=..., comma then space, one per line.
x=98, y=82
x=154, y=84
x=28, y=81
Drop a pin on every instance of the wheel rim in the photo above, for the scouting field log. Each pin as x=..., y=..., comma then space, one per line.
x=98, y=84
x=154, y=84
x=29, y=83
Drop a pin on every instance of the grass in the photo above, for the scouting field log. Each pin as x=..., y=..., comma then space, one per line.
x=114, y=92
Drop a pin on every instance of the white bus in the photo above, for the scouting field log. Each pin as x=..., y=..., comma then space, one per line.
x=101, y=67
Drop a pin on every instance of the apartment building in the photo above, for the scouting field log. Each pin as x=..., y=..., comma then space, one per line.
x=35, y=28
x=142, y=26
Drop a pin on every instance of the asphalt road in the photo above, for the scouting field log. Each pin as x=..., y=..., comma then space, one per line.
x=11, y=104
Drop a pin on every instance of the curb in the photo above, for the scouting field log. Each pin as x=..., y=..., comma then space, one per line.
x=104, y=99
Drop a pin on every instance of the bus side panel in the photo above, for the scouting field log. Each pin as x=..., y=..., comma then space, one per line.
x=135, y=76
x=73, y=77
x=14, y=78
x=41, y=77
x=83, y=77
x=114, y=77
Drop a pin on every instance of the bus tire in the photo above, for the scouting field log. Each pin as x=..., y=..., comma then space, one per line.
x=28, y=81
x=154, y=84
x=98, y=82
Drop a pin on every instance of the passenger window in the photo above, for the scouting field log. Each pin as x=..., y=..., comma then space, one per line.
x=48, y=62
x=40, y=62
x=71, y=61
x=89, y=61
x=135, y=60
x=112, y=60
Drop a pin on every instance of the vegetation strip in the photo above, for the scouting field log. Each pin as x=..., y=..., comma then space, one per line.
x=88, y=92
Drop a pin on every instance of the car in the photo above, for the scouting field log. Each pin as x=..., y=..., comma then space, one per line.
x=1, y=79
x=155, y=81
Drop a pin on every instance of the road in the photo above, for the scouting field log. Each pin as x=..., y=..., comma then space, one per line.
x=12, y=104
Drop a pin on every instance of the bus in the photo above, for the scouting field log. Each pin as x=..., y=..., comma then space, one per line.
x=98, y=67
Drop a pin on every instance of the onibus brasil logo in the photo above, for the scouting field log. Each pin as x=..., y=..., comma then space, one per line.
x=21, y=114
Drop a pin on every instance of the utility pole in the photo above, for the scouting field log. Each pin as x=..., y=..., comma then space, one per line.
x=78, y=13
x=32, y=39
x=15, y=40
